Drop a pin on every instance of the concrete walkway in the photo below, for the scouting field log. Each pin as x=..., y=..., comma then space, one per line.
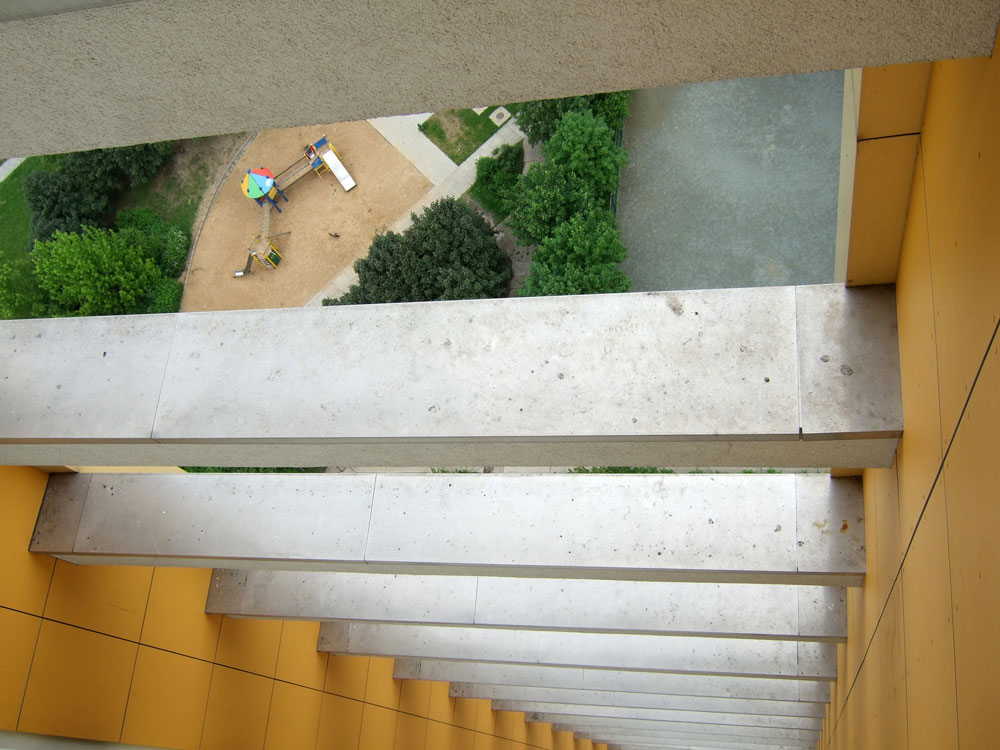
x=402, y=132
x=9, y=166
x=455, y=183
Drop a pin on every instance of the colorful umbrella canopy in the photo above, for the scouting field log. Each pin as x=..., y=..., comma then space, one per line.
x=257, y=182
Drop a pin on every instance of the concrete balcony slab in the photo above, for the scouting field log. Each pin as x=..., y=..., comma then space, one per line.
x=683, y=730
x=697, y=528
x=699, y=378
x=667, y=715
x=635, y=739
x=683, y=685
x=688, y=655
x=637, y=700
x=726, y=610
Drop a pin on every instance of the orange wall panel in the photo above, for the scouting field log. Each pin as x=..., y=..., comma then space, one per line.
x=892, y=99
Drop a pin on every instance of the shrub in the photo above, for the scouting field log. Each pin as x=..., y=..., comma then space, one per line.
x=167, y=244
x=449, y=252
x=166, y=296
x=496, y=179
x=20, y=296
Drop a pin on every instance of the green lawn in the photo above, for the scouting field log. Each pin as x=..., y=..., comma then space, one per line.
x=459, y=132
x=15, y=219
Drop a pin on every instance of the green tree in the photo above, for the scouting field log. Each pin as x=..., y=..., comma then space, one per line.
x=581, y=257
x=583, y=144
x=540, y=119
x=62, y=201
x=97, y=272
x=581, y=170
x=547, y=196
x=107, y=168
x=77, y=194
x=141, y=162
x=449, y=252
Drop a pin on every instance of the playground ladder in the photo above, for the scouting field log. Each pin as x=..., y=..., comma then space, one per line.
x=265, y=219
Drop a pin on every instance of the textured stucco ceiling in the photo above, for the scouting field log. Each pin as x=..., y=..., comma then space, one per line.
x=158, y=69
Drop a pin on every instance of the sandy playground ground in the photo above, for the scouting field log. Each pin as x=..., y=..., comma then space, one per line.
x=387, y=186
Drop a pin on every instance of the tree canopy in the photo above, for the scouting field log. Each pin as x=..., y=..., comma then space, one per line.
x=581, y=170
x=540, y=119
x=78, y=193
x=96, y=272
x=448, y=252
x=580, y=257
x=584, y=146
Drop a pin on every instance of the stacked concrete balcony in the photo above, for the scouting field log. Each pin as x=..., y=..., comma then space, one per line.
x=688, y=610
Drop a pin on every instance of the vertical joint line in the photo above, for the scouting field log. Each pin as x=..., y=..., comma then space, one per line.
x=371, y=514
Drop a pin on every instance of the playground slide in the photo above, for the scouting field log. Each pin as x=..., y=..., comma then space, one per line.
x=339, y=171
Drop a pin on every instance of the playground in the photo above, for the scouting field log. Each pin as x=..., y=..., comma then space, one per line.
x=320, y=229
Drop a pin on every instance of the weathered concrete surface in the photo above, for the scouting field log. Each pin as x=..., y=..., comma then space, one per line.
x=734, y=528
x=634, y=739
x=658, y=714
x=382, y=58
x=646, y=653
x=683, y=730
x=696, y=378
x=730, y=610
x=636, y=700
x=612, y=680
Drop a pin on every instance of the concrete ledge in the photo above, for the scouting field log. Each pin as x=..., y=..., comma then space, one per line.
x=734, y=528
x=808, y=613
x=611, y=680
x=684, y=731
x=647, y=653
x=637, y=700
x=626, y=739
x=727, y=719
x=744, y=377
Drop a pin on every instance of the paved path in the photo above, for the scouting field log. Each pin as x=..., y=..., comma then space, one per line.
x=402, y=133
x=455, y=184
x=9, y=166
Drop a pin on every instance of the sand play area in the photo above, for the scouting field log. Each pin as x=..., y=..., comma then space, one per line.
x=387, y=186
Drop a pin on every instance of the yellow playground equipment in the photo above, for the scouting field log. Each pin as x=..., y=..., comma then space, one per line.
x=316, y=157
x=262, y=251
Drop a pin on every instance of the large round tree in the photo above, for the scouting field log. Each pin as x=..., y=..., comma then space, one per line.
x=95, y=272
x=580, y=257
x=449, y=252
